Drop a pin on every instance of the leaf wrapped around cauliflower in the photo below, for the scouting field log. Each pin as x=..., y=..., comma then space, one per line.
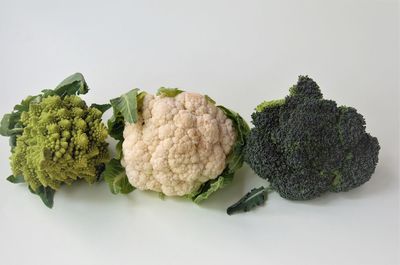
x=176, y=143
x=305, y=145
x=56, y=139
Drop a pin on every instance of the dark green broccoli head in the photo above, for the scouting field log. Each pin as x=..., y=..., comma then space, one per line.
x=306, y=145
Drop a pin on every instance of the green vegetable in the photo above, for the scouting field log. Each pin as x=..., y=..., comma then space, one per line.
x=305, y=145
x=56, y=139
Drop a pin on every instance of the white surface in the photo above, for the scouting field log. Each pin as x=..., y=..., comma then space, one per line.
x=239, y=52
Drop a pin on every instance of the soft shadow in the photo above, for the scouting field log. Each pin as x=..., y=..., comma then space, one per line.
x=82, y=192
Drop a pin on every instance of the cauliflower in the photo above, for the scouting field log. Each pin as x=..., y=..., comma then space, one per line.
x=176, y=143
x=56, y=139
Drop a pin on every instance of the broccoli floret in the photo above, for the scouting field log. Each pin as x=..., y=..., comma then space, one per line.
x=305, y=145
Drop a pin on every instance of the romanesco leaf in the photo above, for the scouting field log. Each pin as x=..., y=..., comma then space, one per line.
x=102, y=107
x=24, y=105
x=47, y=195
x=16, y=179
x=8, y=125
x=73, y=85
x=12, y=141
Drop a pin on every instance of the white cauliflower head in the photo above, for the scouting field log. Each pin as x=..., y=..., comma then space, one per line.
x=177, y=144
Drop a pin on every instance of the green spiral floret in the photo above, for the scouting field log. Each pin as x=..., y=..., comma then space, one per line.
x=63, y=140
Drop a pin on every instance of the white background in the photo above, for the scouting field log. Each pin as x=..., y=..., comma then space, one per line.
x=240, y=53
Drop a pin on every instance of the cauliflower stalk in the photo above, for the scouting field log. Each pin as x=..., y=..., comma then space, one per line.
x=176, y=143
x=56, y=139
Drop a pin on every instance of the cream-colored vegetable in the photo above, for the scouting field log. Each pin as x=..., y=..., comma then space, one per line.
x=177, y=144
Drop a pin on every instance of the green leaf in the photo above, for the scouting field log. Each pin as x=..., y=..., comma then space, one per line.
x=16, y=179
x=72, y=85
x=24, y=105
x=210, y=187
x=12, y=141
x=139, y=99
x=240, y=124
x=252, y=199
x=126, y=105
x=125, y=108
x=210, y=99
x=47, y=195
x=115, y=176
x=116, y=125
x=102, y=107
x=235, y=158
x=8, y=125
x=168, y=92
x=118, y=150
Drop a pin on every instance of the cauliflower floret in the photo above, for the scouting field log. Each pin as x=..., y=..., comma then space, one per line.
x=177, y=144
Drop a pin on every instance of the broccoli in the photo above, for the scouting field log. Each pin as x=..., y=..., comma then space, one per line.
x=56, y=139
x=305, y=145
